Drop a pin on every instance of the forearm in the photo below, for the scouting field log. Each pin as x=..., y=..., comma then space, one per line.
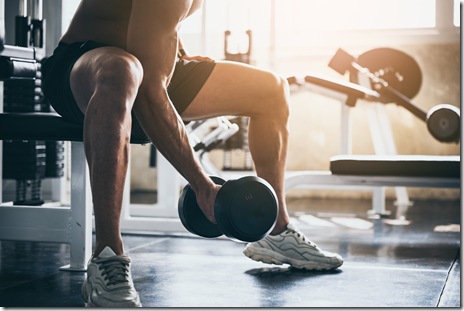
x=183, y=54
x=180, y=50
x=167, y=132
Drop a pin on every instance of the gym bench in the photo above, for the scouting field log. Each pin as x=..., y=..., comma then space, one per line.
x=376, y=171
x=65, y=224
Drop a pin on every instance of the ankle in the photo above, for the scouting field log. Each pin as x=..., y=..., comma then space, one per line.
x=279, y=228
x=117, y=247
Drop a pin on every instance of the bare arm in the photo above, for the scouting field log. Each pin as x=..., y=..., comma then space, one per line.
x=152, y=38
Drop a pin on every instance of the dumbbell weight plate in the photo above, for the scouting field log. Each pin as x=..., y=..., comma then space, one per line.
x=444, y=123
x=246, y=209
x=191, y=215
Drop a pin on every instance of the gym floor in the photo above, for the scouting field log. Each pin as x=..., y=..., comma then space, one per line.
x=386, y=265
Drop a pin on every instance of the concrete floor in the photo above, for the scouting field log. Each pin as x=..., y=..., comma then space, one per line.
x=386, y=265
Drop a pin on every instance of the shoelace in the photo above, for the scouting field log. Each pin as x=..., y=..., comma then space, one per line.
x=301, y=237
x=115, y=269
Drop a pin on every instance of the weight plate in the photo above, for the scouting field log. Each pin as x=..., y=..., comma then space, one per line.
x=444, y=123
x=399, y=69
x=247, y=210
x=192, y=216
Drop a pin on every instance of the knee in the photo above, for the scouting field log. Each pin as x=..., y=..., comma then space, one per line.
x=115, y=81
x=119, y=75
x=279, y=98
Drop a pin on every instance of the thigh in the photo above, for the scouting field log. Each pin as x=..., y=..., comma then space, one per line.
x=187, y=80
x=115, y=73
x=56, y=78
x=232, y=89
x=99, y=64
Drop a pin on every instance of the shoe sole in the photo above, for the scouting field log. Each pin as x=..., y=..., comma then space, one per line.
x=89, y=303
x=86, y=296
x=270, y=257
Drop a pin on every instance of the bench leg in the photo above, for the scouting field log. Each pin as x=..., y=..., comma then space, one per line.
x=384, y=143
x=378, y=203
x=80, y=231
x=402, y=203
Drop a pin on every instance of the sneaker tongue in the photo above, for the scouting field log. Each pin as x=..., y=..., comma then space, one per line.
x=291, y=226
x=106, y=252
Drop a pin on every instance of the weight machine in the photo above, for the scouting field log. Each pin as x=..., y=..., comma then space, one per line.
x=382, y=76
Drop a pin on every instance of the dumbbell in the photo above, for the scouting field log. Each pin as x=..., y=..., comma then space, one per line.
x=245, y=209
x=397, y=77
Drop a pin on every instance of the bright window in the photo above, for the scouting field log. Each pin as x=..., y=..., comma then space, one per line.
x=457, y=13
x=301, y=15
x=68, y=7
x=292, y=24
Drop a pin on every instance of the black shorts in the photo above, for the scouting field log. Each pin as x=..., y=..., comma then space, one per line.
x=187, y=80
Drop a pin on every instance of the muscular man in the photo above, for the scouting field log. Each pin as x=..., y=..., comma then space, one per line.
x=117, y=66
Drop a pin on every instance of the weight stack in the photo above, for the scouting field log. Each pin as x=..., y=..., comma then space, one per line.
x=24, y=95
x=28, y=162
x=54, y=166
x=24, y=160
x=239, y=141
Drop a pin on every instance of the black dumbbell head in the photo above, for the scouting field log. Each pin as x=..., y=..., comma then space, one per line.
x=191, y=215
x=246, y=209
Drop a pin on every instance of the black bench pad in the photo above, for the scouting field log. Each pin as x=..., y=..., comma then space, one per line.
x=48, y=126
x=397, y=165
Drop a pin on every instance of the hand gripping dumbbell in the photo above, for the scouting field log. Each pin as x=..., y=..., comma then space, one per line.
x=245, y=209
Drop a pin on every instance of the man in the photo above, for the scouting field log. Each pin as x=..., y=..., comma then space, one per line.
x=119, y=64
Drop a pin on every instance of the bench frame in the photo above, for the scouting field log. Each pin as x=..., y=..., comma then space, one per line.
x=65, y=224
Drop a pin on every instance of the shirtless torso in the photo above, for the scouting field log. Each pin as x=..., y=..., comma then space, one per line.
x=107, y=21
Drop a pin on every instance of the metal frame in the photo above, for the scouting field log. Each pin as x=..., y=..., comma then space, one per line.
x=321, y=179
x=66, y=224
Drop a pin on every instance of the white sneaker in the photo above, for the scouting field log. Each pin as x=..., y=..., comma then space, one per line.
x=291, y=247
x=109, y=282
